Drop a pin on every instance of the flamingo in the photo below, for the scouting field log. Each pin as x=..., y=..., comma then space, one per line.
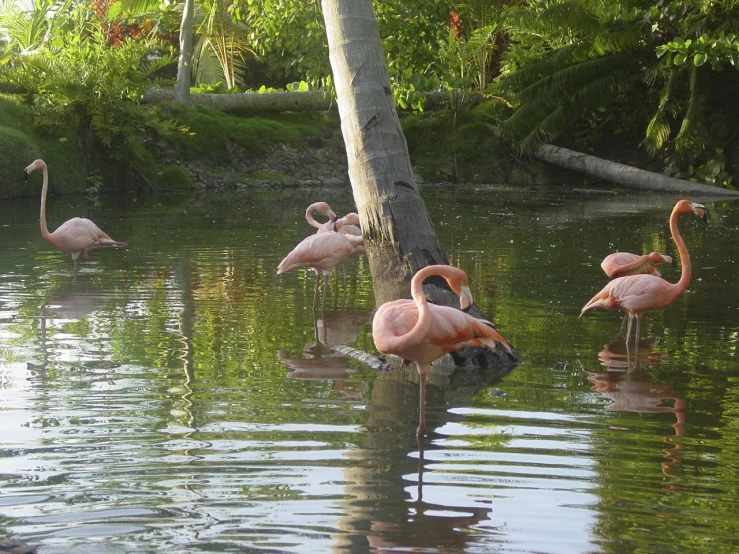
x=419, y=332
x=324, y=209
x=620, y=264
x=77, y=235
x=321, y=253
x=349, y=225
x=635, y=294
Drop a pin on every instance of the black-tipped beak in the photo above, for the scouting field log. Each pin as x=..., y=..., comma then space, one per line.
x=25, y=176
x=706, y=217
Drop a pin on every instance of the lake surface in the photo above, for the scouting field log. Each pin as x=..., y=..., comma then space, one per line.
x=180, y=397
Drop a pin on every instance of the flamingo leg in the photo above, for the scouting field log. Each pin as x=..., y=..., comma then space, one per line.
x=325, y=288
x=628, y=336
x=421, y=431
x=315, y=290
x=636, y=342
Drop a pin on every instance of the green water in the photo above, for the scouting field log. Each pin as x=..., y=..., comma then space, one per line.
x=174, y=397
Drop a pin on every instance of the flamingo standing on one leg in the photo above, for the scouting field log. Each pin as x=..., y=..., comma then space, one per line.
x=419, y=332
x=635, y=294
x=620, y=264
x=324, y=209
x=77, y=235
x=321, y=253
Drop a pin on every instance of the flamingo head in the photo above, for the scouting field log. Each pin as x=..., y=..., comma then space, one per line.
x=324, y=209
x=348, y=219
x=465, y=297
x=686, y=206
x=37, y=164
x=657, y=258
x=457, y=280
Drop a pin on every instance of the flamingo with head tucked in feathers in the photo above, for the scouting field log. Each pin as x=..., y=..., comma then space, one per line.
x=620, y=264
x=419, y=332
x=77, y=235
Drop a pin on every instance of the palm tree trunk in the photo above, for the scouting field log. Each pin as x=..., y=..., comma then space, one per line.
x=184, y=64
x=624, y=174
x=396, y=226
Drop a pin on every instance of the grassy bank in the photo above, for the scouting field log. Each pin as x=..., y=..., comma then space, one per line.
x=21, y=143
x=443, y=145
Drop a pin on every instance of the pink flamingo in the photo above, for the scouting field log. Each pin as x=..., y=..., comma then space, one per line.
x=419, y=332
x=324, y=209
x=620, y=264
x=321, y=253
x=77, y=235
x=349, y=225
x=635, y=294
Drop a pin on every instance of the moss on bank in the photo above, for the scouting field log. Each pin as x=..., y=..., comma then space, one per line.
x=444, y=145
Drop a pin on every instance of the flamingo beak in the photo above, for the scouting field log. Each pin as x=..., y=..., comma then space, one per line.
x=701, y=211
x=465, y=297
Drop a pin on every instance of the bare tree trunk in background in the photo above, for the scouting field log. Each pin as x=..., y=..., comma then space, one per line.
x=184, y=64
x=399, y=237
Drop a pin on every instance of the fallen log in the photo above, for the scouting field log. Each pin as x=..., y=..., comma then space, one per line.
x=298, y=101
x=626, y=175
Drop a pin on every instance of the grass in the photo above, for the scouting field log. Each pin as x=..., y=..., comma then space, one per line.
x=210, y=131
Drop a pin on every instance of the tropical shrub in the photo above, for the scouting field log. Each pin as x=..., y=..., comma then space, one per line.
x=669, y=70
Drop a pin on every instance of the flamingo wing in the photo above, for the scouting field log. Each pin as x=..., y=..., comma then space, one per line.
x=320, y=252
x=77, y=234
x=633, y=294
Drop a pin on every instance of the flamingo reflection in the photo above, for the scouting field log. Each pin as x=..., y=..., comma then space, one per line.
x=319, y=361
x=69, y=303
x=632, y=390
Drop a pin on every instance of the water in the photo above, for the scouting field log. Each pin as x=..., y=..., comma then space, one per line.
x=174, y=397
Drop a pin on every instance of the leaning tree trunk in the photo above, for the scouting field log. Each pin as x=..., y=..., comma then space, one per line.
x=399, y=237
x=398, y=234
x=184, y=63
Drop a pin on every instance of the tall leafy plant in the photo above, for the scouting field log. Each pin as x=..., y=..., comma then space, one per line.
x=674, y=64
x=89, y=89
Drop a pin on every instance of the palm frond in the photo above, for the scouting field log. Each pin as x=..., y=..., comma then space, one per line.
x=693, y=132
x=659, y=129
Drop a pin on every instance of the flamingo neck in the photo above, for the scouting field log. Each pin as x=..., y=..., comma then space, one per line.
x=309, y=218
x=633, y=265
x=686, y=267
x=44, y=229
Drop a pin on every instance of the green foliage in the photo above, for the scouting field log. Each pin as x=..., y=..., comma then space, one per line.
x=289, y=36
x=21, y=143
x=672, y=64
x=81, y=85
x=211, y=132
x=173, y=178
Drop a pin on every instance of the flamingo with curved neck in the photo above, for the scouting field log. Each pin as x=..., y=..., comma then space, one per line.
x=419, y=332
x=77, y=235
x=324, y=209
x=635, y=294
